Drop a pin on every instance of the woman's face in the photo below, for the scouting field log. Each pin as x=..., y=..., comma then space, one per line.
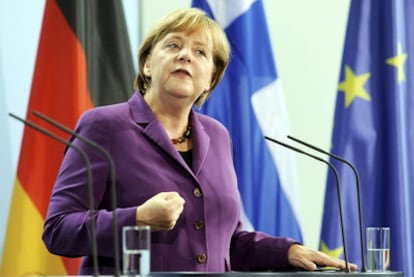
x=181, y=65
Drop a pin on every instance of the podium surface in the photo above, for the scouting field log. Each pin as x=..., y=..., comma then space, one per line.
x=281, y=274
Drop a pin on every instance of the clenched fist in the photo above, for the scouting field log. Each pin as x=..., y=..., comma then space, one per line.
x=161, y=211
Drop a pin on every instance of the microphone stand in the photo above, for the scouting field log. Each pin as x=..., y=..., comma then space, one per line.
x=358, y=185
x=90, y=188
x=338, y=192
x=113, y=182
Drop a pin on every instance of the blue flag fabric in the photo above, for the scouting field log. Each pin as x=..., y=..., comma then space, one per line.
x=374, y=129
x=249, y=101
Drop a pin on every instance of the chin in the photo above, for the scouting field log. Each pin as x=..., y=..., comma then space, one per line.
x=182, y=92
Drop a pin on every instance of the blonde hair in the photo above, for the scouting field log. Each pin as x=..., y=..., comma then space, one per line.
x=186, y=20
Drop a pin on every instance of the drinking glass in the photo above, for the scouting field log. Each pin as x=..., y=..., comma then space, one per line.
x=378, y=249
x=136, y=248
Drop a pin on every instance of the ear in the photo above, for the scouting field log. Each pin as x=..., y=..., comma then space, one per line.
x=147, y=67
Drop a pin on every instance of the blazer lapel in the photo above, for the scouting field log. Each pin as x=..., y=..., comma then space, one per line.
x=201, y=144
x=151, y=127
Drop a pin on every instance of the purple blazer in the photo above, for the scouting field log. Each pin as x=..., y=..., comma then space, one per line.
x=207, y=236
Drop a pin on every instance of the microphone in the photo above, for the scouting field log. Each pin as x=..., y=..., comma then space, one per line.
x=90, y=187
x=358, y=185
x=341, y=217
x=113, y=181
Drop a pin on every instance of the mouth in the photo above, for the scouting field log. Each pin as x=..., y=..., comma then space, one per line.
x=181, y=71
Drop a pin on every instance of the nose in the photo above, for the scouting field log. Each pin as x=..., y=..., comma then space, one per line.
x=184, y=56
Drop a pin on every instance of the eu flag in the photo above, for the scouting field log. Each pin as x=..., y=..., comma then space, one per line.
x=374, y=129
x=249, y=102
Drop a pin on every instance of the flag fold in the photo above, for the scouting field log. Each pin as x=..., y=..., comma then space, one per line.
x=249, y=102
x=83, y=60
x=374, y=129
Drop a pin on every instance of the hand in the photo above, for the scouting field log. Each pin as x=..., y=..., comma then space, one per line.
x=161, y=211
x=309, y=259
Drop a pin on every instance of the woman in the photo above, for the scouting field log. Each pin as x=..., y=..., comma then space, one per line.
x=174, y=167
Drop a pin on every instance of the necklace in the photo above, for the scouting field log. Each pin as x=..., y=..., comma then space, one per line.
x=186, y=136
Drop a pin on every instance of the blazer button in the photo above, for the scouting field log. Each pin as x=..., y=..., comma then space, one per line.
x=197, y=192
x=201, y=258
x=198, y=224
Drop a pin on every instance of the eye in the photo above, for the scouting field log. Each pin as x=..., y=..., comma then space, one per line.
x=173, y=45
x=201, y=52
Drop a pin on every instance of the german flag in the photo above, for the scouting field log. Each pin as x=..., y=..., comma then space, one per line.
x=83, y=60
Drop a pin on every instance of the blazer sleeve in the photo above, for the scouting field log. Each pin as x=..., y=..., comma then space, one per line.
x=66, y=229
x=257, y=251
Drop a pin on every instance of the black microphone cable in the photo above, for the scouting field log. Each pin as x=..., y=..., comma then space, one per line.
x=338, y=192
x=358, y=186
x=90, y=187
x=113, y=182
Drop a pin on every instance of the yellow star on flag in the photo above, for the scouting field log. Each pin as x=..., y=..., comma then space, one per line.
x=337, y=252
x=353, y=86
x=398, y=61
